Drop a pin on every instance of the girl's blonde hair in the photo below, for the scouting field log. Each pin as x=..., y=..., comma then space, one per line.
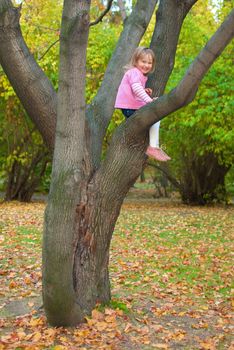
x=138, y=54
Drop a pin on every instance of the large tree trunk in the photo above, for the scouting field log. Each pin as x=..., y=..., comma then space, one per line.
x=67, y=176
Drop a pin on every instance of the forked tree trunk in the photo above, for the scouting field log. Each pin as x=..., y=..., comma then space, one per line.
x=83, y=257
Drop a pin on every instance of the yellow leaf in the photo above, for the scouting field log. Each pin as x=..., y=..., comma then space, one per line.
x=34, y=322
x=204, y=307
x=36, y=337
x=207, y=346
x=160, y=346
x=82, y=333
x=232, y=302
x=63, y=339
x=90, y=321
x=182, y=313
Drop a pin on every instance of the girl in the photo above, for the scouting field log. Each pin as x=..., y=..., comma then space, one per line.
x=132, y=95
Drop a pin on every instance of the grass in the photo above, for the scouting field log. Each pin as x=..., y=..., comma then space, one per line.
x=171, y=276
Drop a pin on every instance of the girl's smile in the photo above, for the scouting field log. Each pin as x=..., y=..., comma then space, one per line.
x=145, y=64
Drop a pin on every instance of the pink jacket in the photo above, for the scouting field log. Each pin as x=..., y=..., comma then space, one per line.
x=125, y=97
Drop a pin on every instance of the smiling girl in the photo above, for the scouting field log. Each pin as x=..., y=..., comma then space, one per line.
x=132, y=95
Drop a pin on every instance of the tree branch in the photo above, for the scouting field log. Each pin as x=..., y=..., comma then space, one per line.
x=165, y=170
x=99, y=19
x=48, y=49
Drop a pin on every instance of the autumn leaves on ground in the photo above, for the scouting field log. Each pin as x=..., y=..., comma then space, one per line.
x=171, y=274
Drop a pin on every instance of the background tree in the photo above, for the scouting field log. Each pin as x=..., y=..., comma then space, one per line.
x=24, y=157
x=86, y=194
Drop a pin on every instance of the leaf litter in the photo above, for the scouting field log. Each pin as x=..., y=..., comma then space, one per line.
x=171, y=275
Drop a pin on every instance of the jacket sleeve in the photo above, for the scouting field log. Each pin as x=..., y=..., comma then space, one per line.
x=139, y=92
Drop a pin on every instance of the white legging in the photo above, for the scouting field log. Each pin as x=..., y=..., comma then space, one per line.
x=154, y=135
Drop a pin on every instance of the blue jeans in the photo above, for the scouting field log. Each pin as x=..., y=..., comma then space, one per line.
x=128, y=112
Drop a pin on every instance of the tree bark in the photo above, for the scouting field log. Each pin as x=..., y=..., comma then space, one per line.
x=59, y=295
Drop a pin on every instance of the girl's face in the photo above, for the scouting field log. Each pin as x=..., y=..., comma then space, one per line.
x=145, y=64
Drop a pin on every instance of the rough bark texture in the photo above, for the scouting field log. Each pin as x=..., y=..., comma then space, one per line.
x=59, y=295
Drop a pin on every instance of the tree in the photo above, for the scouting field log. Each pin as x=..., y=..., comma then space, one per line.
x=86, y=193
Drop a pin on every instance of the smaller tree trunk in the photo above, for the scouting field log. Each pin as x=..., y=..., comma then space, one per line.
x=23, y=180
x=203, y=180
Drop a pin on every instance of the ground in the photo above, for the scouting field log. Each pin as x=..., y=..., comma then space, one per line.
x=170, y=270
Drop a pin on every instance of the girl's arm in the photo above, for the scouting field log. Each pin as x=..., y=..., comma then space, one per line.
x=140, y=92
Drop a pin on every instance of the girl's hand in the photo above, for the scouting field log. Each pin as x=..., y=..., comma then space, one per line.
x=148, y=91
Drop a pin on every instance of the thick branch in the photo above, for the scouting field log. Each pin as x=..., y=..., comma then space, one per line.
x=170, y=17
x=26, y=77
